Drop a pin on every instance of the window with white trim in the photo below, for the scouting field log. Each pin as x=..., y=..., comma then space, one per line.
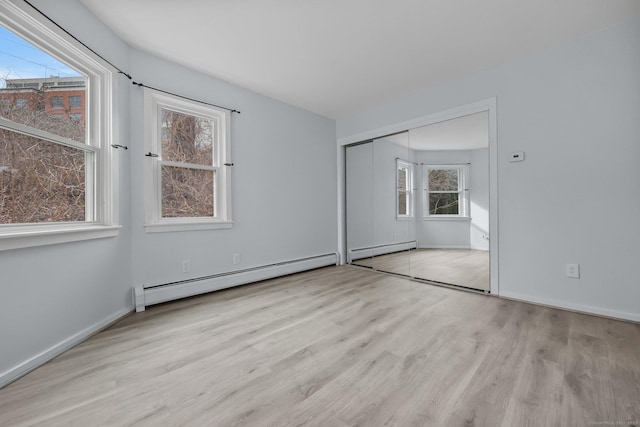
x=445, y=191
x=188, y=186
x=404, y=189
x=58, y=175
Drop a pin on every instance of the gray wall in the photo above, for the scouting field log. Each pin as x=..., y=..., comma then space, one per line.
x=284, y=205
x=479, y=199
x=371, y=195
x=51, y=293
x=284, y=182
x=574, y=109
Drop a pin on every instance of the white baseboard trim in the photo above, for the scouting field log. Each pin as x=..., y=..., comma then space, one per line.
x=145, y=296
x=29, y=365
x=372, y=251
x=444, y=247
x=579, y=308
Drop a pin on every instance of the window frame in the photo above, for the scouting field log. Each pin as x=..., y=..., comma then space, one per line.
x=102, y=203
x=463, y=191
x=154, y=102
x=409, y=191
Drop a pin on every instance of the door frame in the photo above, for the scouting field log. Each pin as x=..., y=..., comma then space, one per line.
x=489, y=105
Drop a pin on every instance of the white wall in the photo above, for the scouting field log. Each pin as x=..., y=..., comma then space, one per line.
x=371, y=195
x=479, y=199
x=359, y=194
x=574, y=109
x=387, y=227
x=284, y=182
x=284, y=205
x=51, y=294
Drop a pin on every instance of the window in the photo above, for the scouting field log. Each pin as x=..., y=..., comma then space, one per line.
x=56, y=103
x=57, y=176
x=75, y=101
x=187, y=184
x=404, y=193
x=73, y=83
x=445, y=191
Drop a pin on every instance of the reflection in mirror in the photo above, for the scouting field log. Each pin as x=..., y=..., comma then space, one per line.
x=381, y=204
x=359, y=203
x=418, y=203
x=453, y=202
x=394, y=203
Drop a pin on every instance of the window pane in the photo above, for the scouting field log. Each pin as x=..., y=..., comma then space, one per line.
x=187, y=192
x=443, y=180
x=186, y=138
x=33, y=86
x=56, y=103
x=443, y=204
x=402, y=203
x=75, y=101
x=40, y=181
x=402, y=178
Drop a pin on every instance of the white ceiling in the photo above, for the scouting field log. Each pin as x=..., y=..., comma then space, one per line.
x=334, y=57
x=463, y=133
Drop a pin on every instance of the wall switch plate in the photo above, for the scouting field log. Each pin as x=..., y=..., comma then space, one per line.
x=517, y=156
x=573, y=271
x=236, y=259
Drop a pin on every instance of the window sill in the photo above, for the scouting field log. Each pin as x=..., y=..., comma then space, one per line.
x=37, y=235
x=447, y=218
x=186, y=226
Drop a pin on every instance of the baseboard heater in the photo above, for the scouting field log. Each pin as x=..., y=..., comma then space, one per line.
x=147, y=295
x=370, y=251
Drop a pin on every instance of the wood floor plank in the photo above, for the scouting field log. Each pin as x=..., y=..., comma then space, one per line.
x=340, y=346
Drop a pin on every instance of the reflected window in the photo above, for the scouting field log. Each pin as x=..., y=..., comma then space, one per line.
x=445, y=190
x=404, y=189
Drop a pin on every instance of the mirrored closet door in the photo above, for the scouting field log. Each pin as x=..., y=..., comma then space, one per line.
x=417, y=203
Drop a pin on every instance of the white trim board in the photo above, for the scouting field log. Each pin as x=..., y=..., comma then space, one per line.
x=372, y=251
x=445, y=247
x=38, y=360
x=578, y=308
x=145, y=296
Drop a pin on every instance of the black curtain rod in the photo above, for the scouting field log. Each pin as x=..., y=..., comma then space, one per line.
x=127, y=75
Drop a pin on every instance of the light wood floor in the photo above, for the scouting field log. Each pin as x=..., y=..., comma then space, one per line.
x=463, y=267
x=340, y=346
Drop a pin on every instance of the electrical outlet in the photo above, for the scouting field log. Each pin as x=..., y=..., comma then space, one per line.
x=186, y=266
x=236, y=259
x=573, y=271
